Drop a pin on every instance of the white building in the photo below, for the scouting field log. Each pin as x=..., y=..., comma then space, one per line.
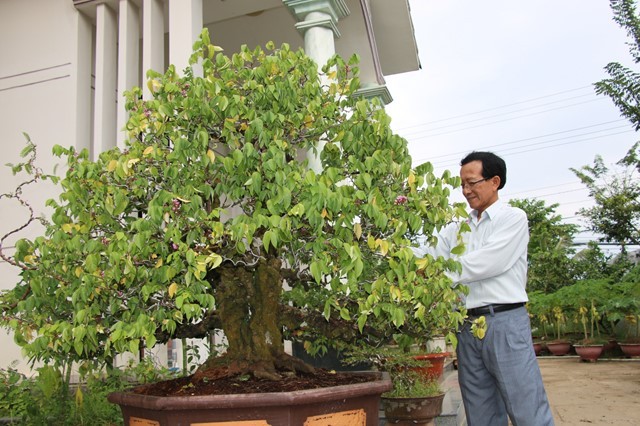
x=64, y=65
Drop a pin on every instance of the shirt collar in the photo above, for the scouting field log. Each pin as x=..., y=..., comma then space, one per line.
x=490, y=211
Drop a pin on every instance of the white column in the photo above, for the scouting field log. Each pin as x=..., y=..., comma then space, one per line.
x=104, y=130
x=317, y=21
x=152, y=41
x=82, y=83
x=185, y=25
x=319, y=42
x=128, y=60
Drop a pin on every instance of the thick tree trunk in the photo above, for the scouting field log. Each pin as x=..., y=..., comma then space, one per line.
x=247, y=300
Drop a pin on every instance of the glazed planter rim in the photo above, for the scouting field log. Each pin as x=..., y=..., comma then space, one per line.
x=408, y=398
x=253, y=400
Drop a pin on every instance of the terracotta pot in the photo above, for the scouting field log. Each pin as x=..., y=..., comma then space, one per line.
x=559, y=348
x=589, y=353
x=348, y=404
x=538, y=347
x=435, y=367
x=611, y=345
x=630, y=349
x=412, y=411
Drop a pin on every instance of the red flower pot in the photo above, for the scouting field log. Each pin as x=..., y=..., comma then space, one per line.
x=589, y=353
x=538, y=347
x=559, y=348
x=630, y=349
x=435, y=366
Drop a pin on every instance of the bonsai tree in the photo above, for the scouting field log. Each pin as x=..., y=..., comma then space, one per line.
x=211, y=218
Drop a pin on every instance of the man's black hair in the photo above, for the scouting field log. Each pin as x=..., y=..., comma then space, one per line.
x=492, y=165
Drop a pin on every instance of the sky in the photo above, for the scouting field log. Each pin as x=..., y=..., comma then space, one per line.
x=515, y=77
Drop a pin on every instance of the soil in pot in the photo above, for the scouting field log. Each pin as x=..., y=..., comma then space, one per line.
x=184, y=386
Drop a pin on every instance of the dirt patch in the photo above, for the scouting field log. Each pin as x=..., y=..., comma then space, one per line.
x=599, y=393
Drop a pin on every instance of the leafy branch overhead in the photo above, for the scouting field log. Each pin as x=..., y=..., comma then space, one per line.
x=211, y=218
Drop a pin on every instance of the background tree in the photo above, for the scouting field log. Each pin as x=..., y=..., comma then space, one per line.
x=623, y=82
x=550, y=246
x=616, y=215
x=616, y=193
x=206, y=215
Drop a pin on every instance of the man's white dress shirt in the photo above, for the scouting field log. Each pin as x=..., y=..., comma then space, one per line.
x=494, y=263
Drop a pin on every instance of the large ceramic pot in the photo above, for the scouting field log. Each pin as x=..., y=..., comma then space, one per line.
x=559, y=348
x=589, y=353
x=419, y=411
x=355, y=404
x=630, y=349
x=434, y=364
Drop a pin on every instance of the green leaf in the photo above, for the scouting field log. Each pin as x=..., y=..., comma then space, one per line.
x=458, y=250
x=316, y=271
x=134, y=345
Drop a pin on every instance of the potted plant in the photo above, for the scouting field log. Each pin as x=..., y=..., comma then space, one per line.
x=591, y=346
x=209, y=220
x=539, y=312
x=624, y=312
x=433, y=363
x=416, y=398
x=559, y=346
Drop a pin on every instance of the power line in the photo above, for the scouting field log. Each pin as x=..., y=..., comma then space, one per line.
x=546, y=135
x=501, y=121
x=495, y=108
x=507, y=154
x=510, y=112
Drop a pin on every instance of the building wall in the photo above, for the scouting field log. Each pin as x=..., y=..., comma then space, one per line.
x=38, y=89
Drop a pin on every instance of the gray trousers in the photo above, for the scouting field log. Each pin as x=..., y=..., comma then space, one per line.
x=499, y=375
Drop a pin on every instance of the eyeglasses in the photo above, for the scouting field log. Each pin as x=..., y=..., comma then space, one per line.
x=470, y=185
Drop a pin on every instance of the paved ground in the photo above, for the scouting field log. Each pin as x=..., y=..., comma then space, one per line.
x=606, y=392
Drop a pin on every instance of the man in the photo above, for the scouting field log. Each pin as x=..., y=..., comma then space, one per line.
x=498, y=374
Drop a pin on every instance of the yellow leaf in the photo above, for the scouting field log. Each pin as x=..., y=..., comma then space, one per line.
x=383, y=245
x=67, y=227
x=28, y=259
x=153, y=85
x=78, y=271
x=148, y=150
x=173, y=288
x=422, y=263
x=211, y=155
x=324, y=213
x=159, y=263
x=357, y=230
x=112, y=165
x=79, y=396
x=131, y=162
x=411, y=179
x=371, y=242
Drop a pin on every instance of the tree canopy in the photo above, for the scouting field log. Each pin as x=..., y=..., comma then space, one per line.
x=211, y=219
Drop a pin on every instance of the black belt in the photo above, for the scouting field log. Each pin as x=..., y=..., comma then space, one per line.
x=496, y=307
